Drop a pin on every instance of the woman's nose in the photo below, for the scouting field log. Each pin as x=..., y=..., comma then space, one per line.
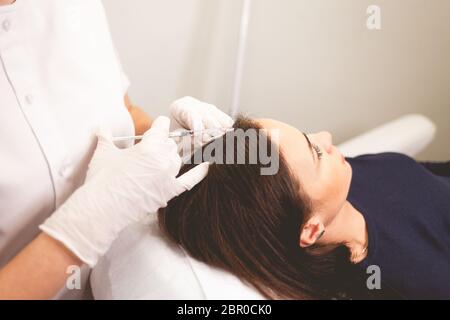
x=325, y=139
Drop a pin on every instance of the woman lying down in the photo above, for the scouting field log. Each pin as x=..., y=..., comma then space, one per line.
x=326, y=227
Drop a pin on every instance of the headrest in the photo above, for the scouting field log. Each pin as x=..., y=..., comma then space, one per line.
x=142, y=264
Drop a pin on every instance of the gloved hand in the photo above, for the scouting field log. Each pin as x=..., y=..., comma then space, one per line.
x=192, y=114
x=122, y=186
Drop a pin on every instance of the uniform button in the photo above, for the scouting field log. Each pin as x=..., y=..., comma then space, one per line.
x=29, y=99
x=6, y=25
x=64, y=171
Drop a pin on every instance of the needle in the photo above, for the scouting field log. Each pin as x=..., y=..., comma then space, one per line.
x=178, y=134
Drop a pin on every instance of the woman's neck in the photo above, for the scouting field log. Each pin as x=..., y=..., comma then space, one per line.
x=349, y=229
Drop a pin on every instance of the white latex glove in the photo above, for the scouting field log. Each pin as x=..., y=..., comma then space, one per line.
x=122, y=187
x=192, y=114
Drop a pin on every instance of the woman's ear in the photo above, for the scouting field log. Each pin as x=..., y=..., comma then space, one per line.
x=311, y=231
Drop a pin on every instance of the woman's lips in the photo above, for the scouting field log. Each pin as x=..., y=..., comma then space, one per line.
x=342, y=157
x=333, y=148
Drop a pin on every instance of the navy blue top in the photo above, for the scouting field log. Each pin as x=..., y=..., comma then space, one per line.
x=407, y=213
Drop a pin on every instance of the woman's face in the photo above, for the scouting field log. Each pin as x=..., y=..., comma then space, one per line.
x=326, y=180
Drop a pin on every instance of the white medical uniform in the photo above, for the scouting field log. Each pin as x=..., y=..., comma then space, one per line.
x=60, y=79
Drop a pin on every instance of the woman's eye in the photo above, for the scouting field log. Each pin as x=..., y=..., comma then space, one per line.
x=318, y=151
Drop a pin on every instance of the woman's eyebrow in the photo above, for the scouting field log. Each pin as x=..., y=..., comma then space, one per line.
x=310, y=147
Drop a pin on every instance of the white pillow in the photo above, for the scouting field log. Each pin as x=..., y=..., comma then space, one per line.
x=141, y=264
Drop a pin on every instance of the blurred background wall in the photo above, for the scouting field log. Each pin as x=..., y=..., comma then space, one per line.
x=311, y=63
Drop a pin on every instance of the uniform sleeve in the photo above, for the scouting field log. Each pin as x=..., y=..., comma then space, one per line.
x=124, y=78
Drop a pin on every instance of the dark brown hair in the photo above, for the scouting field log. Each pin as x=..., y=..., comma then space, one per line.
x=249, y=224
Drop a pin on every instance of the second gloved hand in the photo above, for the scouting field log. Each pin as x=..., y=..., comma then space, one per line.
x=122, y=187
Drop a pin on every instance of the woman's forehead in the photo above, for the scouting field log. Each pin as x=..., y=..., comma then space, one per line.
x=292, y=142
